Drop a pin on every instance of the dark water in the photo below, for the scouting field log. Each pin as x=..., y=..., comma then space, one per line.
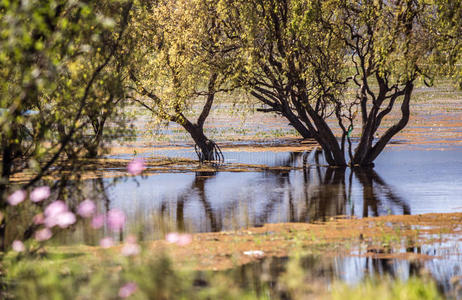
x=403, y=182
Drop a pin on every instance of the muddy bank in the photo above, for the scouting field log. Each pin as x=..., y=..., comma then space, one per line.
x=377, y=237
x=387, y=237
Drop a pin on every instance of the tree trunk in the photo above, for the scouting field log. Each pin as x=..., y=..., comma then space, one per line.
x=323, y=135
x=366, y=153
x=296, y=123
x=207, y=151
x=8, y=154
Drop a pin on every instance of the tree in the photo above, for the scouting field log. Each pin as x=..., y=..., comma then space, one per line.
x=267, y=51
x=305, y=56
x=391, y=46
x=181, y=56
x=55, y=57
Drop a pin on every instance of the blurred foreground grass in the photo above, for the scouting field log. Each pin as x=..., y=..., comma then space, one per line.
x=287, y=261
x=58, y=276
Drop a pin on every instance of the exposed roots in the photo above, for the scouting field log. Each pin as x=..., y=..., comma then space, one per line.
x=212, y=153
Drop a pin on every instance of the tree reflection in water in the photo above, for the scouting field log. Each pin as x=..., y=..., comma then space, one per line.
x=308, y=194
x=198, y=187
x=297, y=189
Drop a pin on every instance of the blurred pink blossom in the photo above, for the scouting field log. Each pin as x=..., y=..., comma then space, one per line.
x=172, y=237
x=184, y=240
x=43, y=234
x=131, y=248
x=40, y=193
x=106, y=242
x=136, y=166
x=115, y=219
x=17, y=197
x=179, y=239
x=97, y=221
x=86, y=209
x=64, y=219
x=127, y=290
x=57, y=214
x=55, y=208
x=18, y=246
x=130, y=239
x=39, y=219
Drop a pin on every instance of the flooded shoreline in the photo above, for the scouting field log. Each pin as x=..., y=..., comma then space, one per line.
x=290, y=187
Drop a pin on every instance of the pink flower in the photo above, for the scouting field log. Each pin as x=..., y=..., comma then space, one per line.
x=40, y=193
x=18, y=246
x=86, y=209
x=97, y=221
x=55, y=208
x=131, y=248
x=115, y=219
x=127, y=290
x=65, y=219
x=57, y=214
x=43, y=234
x=136, y=166
x=130, y=239
x=17, y=197
x=106, y=242
x=179, y=239
x=172, y=237
x=184, y=240
x=39, y=219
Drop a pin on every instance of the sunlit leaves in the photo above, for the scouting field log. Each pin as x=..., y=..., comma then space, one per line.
x=58, y=78
x=178, y=45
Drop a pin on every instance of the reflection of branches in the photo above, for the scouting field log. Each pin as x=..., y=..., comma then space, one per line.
x=373, y=186
x=101, y=189
x=325, y=198
x=324, y=192
x=197, y=185
x=282, y=180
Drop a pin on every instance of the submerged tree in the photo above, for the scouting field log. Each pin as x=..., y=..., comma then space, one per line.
x=307, y=56
x=180, y=57
x=391, y=47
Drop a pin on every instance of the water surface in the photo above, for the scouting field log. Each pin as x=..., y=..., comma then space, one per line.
x=403, y=182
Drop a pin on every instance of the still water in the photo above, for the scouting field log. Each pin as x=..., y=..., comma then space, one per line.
x=445, y=270
x=403, y=182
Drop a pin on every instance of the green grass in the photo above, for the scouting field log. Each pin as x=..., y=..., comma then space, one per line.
x=387, y=289
x=80, y=275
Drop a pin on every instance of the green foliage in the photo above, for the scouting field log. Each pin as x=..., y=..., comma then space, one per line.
x=58, y=74
x=412, y=289
x=80, y=275
x=177, y=47
x=301, y=57
x=87, y=278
